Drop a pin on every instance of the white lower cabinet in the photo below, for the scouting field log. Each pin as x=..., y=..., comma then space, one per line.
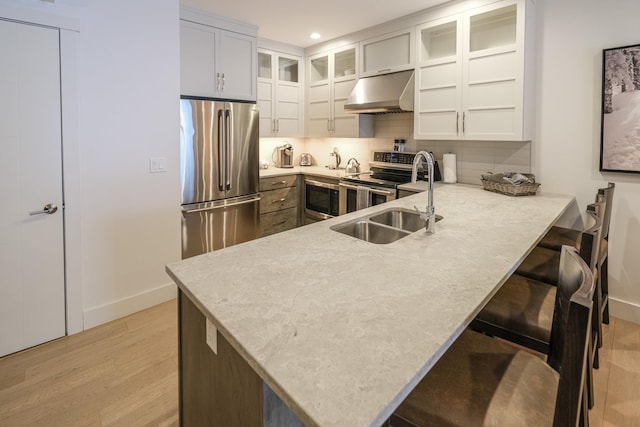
x=475, y=74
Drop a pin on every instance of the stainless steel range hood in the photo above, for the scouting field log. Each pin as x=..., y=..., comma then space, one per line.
x=386, y=93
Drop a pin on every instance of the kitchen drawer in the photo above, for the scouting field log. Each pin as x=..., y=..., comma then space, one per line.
x=273, y=183
x=275, y=222
x=274, y=200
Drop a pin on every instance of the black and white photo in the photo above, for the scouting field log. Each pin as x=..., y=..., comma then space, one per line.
x=620, y=138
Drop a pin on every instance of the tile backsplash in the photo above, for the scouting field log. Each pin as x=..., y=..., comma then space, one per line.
x=473, y=157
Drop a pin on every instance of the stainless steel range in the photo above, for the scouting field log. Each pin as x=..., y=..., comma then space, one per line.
x=389, y=169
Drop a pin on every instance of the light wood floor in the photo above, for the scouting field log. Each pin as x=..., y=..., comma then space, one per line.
x=124, y=373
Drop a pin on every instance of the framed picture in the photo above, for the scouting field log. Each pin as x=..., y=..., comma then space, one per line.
x=620, y=134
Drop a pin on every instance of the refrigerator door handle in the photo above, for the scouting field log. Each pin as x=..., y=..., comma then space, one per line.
x=222, y=206
x=230, y=142
x=221, y=150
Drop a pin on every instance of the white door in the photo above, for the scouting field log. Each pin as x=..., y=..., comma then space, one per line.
x=32, y=294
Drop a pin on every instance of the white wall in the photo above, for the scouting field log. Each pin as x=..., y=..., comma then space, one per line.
x=123, y=223
x=565, y=154
x=129, y=92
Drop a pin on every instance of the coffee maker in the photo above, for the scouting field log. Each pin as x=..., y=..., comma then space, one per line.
x=283, y=156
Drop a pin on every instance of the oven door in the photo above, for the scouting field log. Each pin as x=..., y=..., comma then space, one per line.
x=320, y=200
x=349, y=197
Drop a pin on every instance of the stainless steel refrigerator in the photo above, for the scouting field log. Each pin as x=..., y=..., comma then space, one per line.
x=219, y=174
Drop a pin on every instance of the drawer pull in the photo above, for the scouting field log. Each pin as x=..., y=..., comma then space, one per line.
x=279, y=183
x=280, y=223
x=278, y=201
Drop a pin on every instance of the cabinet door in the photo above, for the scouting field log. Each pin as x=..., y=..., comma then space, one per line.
x=439, y=80
x=237, y=66
x=319, y=110
x=288, y=96
x=344, y=124
x=266, y=93
x=318, y=66
x=388, y=53
x=197, y=59
x=493, y=77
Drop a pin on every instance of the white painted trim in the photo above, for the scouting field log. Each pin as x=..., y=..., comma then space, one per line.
x=71, y=179
x=105, y=313
x=280, y=47
x=624, y=310
x=200, y=17
x=32, y=15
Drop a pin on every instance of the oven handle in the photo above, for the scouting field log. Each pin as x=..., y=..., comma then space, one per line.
x=321, y=184
x=371, y=189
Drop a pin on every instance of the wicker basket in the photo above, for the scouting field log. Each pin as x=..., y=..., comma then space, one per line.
x=491, y=182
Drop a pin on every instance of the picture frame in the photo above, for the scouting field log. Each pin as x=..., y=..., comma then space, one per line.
x=620, y=121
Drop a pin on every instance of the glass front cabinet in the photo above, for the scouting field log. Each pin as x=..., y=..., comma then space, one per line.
x=475, y=74
x=331, y=78
x=279, y=94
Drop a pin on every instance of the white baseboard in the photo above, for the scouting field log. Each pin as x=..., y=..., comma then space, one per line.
x=105, y=313
x=624, y=310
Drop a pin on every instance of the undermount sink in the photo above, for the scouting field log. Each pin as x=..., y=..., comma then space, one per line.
x=384, y=227
x=403, y=219
x=370, y=232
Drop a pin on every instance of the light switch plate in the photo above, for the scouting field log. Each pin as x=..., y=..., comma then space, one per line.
x=212, y=336
x=157, y=164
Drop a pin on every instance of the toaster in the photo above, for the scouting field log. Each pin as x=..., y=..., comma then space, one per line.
x=305, y=159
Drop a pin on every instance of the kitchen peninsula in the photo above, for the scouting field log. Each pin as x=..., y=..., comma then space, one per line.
x=342, y=329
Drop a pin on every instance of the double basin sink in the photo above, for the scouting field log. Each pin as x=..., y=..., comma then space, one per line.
x=383, y=227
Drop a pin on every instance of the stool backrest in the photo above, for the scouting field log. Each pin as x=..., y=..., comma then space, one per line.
x=591, y=236
x=570, y=334
x=607, y=193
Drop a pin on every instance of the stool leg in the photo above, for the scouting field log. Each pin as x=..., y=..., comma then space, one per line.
x=588, y=390
x=597, y=306
x=603, y=278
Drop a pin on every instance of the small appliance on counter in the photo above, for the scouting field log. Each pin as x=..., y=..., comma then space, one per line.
x=334, y=159
x=283, y=156
x=306, y=159
x=353, y=166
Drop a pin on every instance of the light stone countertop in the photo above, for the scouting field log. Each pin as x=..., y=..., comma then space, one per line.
x=341, y=329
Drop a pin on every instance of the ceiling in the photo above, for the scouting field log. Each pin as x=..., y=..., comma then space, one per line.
x=291, y=21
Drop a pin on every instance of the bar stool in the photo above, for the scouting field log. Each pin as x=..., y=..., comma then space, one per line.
x=558, y=236
x=523, y=309
x=484, y=381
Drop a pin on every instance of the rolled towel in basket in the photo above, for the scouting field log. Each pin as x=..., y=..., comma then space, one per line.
x=516, y=178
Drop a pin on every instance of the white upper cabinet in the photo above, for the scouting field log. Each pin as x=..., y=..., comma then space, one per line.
x=217, y=63
x=475, y=74
x=387, y=53
x=331, y=76
x=279, y=94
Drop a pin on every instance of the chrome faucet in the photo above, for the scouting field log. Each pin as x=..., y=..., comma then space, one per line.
x=429, y=216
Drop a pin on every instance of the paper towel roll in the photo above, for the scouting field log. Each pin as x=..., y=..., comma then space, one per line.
x=450, y=175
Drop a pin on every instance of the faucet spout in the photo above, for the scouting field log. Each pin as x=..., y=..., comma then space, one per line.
x=429, y=215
